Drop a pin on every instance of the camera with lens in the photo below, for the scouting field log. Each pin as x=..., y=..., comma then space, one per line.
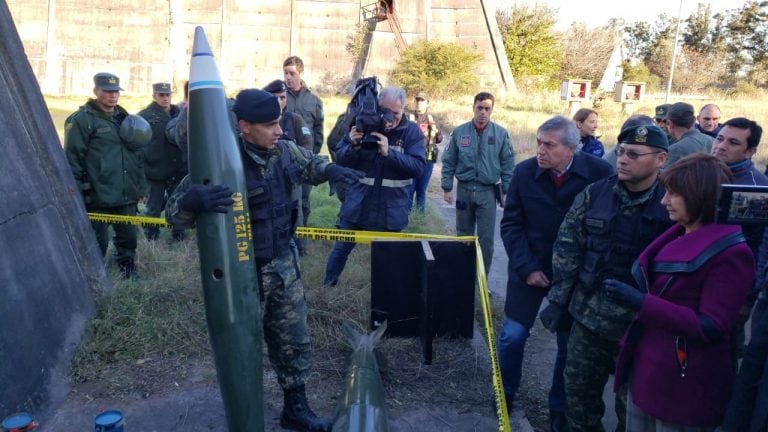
x=368, y=116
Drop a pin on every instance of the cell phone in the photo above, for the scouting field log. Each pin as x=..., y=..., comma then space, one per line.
x=743, y=205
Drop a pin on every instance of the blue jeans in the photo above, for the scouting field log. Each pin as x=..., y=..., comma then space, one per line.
x=511, y=348
x=419, y=188
x=338, y=256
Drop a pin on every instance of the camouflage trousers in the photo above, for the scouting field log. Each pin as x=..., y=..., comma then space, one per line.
x=590, y=360
x=285, y=318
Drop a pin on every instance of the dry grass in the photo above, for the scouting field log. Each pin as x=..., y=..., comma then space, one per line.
x=151, y=332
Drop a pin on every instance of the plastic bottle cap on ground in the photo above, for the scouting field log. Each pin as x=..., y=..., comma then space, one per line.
x=18, y=420
x=108, y=418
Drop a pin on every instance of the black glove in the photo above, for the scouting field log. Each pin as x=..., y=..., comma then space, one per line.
x=206, y=198
x=551, y=316
x=338, y=173
x=624, y=294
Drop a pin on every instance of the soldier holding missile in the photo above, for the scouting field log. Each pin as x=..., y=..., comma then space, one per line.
x=274, y=171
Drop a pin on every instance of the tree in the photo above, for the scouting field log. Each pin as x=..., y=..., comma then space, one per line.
x=748, y=36
x=439, y=68
x=705, y=32
x=530, y=41
x=639, y=72
x=695, y=70
x=586, y=51
x=643, y=39
x=637, y=38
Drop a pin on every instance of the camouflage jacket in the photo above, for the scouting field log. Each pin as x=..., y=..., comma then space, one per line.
x=311, y=168
x=578, y=271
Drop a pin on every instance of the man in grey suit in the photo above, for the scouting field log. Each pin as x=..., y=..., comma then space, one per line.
x=687, y=139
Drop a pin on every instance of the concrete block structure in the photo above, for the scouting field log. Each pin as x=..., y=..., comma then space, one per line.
x=145, y=41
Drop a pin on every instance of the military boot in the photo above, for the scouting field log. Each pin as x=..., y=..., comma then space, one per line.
x=298, y=416
x=127, y=269
x=151, y=234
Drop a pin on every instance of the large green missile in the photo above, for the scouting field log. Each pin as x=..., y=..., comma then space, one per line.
x=362, y=407
x=230, y=286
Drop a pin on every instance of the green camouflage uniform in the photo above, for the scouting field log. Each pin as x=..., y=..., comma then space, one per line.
x=284, y=307
x=599, y=322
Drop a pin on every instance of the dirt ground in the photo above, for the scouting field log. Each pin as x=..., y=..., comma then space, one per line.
x=185, y=397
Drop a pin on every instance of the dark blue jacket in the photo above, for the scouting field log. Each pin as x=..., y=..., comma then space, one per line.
x=378, y=206
x=713, y=134
x=748, y=408
x=532, y=215
x=592, y=145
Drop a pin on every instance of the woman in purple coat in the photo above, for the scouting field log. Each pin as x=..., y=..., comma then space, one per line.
x=692, y=281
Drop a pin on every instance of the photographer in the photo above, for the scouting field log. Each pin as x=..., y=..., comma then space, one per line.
x=390, y=158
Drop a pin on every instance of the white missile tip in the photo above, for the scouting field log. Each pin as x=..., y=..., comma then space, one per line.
x=200, y=44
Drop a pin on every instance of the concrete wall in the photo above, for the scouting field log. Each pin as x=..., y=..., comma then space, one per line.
x=50, y=264
x=145, y=41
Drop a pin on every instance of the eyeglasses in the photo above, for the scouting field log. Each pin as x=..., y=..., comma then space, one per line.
x=633, y=155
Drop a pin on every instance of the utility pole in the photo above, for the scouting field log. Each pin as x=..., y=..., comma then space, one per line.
x=674, y=54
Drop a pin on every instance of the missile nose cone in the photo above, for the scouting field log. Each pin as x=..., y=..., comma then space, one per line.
x=203, y=72
x=200, y=44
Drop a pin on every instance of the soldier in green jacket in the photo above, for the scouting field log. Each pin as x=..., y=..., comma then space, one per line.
x=480, y=156
x=164, y=162
x=108, y=169
x=307, y=105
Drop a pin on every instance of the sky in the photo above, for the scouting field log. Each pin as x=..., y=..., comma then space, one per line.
x=598, y=12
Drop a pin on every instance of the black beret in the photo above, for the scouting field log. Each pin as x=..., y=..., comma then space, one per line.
x=256, y=106
x=276, y=86
x=648, y=135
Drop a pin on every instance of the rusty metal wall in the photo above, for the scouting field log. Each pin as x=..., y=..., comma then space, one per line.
x=145, y=41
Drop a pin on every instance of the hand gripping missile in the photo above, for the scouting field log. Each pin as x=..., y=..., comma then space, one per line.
x=362, y=407
x=230, y=286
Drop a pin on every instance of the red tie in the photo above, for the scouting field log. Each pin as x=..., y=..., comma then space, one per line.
x=557, y=179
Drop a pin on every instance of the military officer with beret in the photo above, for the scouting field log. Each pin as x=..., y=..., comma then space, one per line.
x=108, y=169
x=608, y=225
x=274, y=170
x=164, y=162
x=293, y=126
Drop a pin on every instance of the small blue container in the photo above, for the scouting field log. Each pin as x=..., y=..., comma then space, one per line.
x=109, y=421
x=19, y=422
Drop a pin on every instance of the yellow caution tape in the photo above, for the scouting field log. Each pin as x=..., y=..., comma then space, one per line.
x=366, y=237
x=133, y=220
x=485, y=301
